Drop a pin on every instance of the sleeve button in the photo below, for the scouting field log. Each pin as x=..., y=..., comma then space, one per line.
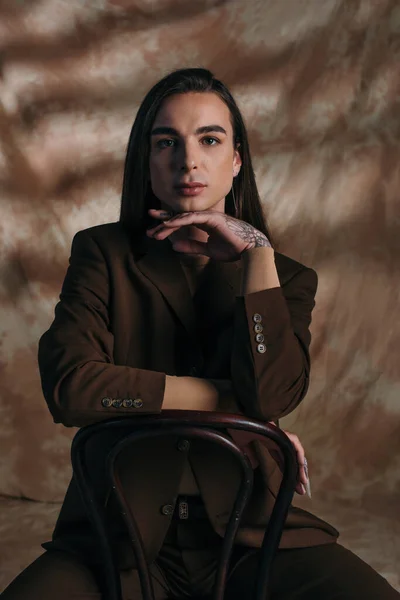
x=127, y=402
x=167, y=510
x=117, y=402
x=138, y=403
x=259, y=337
x=257, y=318
x=106, y=402
x=258, y=328
x=261, y=348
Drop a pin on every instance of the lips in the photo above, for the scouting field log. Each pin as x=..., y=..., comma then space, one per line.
x=192, y=184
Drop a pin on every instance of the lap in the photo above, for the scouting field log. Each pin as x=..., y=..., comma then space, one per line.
x=57, y=574
x=329, y=572
x=321, y=572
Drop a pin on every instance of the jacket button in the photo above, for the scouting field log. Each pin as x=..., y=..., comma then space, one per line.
x=183, y=445
x=127, y=402
x=117, y=402
x=167, y=510
x=138, y=403
x=106, y=402
x=258, y=328
x=257, y=318
x=261, y=348
x=259, y=337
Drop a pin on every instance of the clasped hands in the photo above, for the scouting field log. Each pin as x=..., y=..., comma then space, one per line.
x=227, y=239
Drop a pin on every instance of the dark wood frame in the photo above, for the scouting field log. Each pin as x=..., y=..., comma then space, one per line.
x=188, y=424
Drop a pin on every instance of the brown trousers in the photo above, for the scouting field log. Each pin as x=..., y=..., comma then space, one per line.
x=185, y=568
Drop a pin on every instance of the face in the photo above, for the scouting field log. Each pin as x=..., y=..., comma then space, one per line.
x=184, y=149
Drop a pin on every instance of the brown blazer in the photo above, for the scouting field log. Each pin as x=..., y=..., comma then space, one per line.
x=125, y=320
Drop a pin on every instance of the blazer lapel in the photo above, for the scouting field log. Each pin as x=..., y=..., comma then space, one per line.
x=161, y=264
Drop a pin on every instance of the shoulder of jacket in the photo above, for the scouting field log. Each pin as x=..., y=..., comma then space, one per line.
x=109, y=237
x=288, y=268
x=105, y=231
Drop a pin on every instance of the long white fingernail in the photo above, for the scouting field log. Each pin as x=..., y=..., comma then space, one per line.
x=308, y=488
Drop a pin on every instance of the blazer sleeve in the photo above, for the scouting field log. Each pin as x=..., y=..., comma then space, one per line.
x=80, y=382
x=269, y=385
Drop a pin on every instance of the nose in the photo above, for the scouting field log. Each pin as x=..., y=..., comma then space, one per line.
x=188, y=166
x=187, y=158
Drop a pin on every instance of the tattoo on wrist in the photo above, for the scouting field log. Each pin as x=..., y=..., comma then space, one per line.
x=247, y=232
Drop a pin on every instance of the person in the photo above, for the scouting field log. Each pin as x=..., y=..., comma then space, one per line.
x=184, y=304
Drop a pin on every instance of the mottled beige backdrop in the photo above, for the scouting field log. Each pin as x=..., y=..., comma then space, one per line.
x=318, y=82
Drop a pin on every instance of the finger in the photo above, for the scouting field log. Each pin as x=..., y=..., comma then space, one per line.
x=201, y=219
x=303, y=472
x=161, y=232
x=302, y=476
x=297, y=446
x=303, y=482
x=308, y=483
x=159, y=213
x=301, y=460
x=300, y=489
x=163, y=217
x=162, y=227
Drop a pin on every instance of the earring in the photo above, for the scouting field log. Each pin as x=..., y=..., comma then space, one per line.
x=234, y=201
x=235, y=172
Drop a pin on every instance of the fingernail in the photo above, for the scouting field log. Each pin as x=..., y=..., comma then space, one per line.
x=308, y=488
x=306, y=467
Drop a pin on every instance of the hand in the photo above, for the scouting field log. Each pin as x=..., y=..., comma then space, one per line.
x=303, y=480
x=227, y=403
x=228, y=237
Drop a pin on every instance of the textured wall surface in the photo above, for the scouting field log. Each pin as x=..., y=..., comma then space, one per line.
x=319, y=87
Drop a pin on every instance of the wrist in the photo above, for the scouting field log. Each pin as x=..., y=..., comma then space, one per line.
x=257, y=253
x=189, y=393
x=260, y=241
x=258, y=270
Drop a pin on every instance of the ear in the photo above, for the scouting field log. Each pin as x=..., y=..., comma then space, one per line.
x=237, y=160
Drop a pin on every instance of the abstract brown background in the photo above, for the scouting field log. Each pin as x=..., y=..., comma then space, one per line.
x=319, y=86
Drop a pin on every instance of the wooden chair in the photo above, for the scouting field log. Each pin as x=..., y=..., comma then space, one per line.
x=189, y=424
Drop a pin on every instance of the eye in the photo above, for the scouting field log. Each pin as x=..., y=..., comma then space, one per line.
x=164, y=143
x=160, y=142
x=212, y=138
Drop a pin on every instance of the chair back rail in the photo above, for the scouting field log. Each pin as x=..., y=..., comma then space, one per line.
x=192, y=424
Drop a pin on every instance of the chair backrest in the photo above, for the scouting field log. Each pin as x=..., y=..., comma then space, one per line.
x=210, y=426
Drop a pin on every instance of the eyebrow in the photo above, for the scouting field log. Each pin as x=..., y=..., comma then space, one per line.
x=199, y=130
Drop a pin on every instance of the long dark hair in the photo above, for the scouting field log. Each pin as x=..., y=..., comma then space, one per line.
x=137, y=195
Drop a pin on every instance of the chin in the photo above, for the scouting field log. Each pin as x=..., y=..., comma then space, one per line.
x=181, y=204
x=197, y=204
x=187, y=205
